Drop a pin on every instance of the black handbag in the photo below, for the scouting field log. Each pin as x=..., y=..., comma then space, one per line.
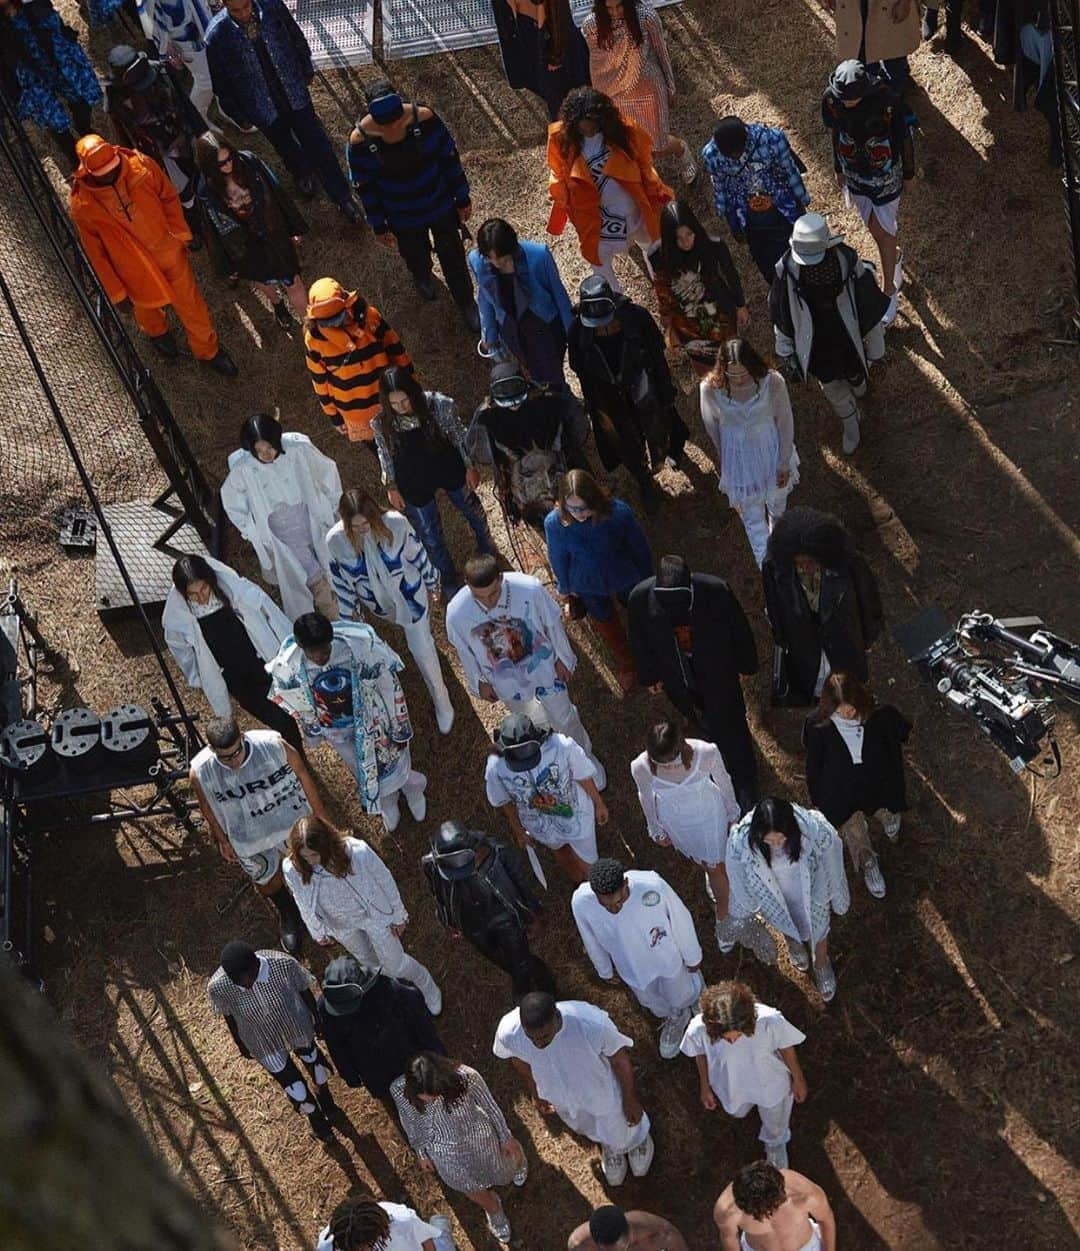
x=780, y=694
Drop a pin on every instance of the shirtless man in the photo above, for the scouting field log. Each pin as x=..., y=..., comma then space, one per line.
x=771, y=1209
x=611, y=1229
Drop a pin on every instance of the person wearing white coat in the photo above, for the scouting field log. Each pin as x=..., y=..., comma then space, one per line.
x=346, y=894
x=221, y=630
x=746, y=411
x=633, y=924
x=688, y=799
x=785, y=864
x=379, y=566
x=282, y=494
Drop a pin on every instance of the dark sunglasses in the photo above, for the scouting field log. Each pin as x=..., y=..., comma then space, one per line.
x=226, y=161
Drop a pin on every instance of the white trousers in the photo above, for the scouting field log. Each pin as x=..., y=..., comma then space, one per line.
x=202, y=89
x=558, y=711
x=758, y=517
x=669, y=996
x=424, y=652
x=404, y=777
x=609, y=250
x=775, y=1121
x=379, y=948
x=610, y=1131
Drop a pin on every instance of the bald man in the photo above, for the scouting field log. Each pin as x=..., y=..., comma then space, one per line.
x=611, y=1229
x=771, y=1209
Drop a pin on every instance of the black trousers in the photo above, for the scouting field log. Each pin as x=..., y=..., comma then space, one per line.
x=302, y=143
x=443, y=236
x=732, y=736
x=768, y=236
x=508, y=947
x=254, y=699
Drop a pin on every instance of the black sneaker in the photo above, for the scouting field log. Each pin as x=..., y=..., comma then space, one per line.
x=283, y=315
x=320, y=1126
x=426, y=287
x=307, y=186
x=223, y=364
x=166, y=345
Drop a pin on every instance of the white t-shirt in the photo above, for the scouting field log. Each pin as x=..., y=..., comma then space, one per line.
x=551, y=805
x=407, y=1230
x=620, y=217
x=853, y=733
x=573, y=1071
x=651, y=936
x=789, y=877
x=748, y=1070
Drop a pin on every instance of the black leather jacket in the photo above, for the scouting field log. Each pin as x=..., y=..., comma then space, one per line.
x=502, y=882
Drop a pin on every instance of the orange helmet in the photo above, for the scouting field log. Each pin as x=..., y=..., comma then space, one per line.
x=96, y=155
x=327, y=298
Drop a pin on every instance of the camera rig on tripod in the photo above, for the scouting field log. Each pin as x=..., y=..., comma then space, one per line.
x=1003, y=673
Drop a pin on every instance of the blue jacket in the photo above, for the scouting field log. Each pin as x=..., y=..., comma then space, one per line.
x=237, y=73
x=537, y=273
x=598, y=557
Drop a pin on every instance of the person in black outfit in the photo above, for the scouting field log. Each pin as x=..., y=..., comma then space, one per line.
x=221, y=630
x=855, y=768
x=617, y=352
x=822, y=603
x=542, y=49
x=691, y=639
x=251, y=226
x=152, y=113
x=373, y=1025
x=530, y=435
x=483, y=894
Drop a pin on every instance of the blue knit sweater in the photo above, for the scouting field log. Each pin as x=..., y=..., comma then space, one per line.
x=601, y=556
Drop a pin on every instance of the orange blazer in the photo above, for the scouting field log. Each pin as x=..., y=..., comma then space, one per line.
x=576, y=199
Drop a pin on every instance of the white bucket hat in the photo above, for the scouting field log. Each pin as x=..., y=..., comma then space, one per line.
x=811, y=239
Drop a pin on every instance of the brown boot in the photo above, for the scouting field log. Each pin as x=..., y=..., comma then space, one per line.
x=611, y=632
x=325, y=600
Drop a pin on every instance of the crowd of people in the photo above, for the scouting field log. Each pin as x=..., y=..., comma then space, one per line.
x=344, y=559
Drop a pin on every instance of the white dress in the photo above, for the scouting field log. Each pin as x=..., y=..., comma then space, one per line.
x=754, y=439
x=695, y=811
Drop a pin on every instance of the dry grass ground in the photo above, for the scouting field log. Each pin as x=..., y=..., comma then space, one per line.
x=943, y=1107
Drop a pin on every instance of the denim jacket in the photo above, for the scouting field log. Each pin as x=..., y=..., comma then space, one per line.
x=537, y=274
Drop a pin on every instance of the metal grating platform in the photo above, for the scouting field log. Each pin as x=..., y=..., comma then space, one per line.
x=341, y=32
x=137, y=528
x=420, y=27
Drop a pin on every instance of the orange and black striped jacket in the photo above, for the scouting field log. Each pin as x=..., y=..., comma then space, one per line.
x=346, y=363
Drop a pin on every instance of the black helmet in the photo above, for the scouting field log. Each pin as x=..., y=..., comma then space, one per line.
x=453, y=849
x=597, y=302
x=519, y=740
x=508, y=386
x=131, y=68
x=345, y=983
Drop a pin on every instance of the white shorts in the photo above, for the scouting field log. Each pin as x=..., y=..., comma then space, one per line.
x=885, y=213
x=261, y=866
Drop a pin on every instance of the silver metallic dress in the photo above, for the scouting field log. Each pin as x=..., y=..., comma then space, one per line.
x=462, y=1140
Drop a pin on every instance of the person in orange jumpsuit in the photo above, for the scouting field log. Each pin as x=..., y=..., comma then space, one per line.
x=134, y=234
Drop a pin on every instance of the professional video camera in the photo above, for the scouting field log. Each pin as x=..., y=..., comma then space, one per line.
x=1004, y=674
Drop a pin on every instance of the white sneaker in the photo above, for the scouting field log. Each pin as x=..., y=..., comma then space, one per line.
x=433, y=1002
x=890, y=823
x=390, y=808
x=671, y=1033
x=898, y=272
x=799, y=953
x=614, y=1166
x=776, y=1154
x=825, y=980
x=641, y=1158
x=416, y=801
x=851, y=434
x=444, y=717
x=872, y=876
x=890, y=312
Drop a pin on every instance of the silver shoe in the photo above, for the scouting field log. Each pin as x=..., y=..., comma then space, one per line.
x=757, y=939
x=825, y=980
x=872, y=876
x=799, y=953
x=727, y=935
x=671, y=1033
x=499, y=1225
x=890, y=823
x=776, y=1155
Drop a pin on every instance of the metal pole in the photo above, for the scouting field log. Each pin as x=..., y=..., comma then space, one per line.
x=88, y=487
x=1064, y=24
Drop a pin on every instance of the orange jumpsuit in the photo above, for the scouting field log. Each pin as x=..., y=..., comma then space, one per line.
x=135, y=236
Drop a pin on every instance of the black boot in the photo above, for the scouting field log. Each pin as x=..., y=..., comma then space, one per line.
x=929, y=23
x=324, y=1097
x=953, y=34
x=320, y=1126
x=292, y=927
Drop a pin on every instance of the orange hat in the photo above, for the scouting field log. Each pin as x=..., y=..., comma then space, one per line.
x=96, y=155
x=327, y=298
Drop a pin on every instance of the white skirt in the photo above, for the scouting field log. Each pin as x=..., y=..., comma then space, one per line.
x=750, y=461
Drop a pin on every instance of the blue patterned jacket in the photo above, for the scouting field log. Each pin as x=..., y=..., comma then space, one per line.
x=766, y=167
x=237, y=74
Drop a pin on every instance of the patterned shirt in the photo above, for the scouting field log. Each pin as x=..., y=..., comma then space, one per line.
x=767, y=169
x=442, y=408
x=270, y=1015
